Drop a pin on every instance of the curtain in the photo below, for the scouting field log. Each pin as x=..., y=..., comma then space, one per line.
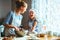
x=47, y=13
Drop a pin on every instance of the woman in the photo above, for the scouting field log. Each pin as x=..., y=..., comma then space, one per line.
x=13, y=21
x=32, y=22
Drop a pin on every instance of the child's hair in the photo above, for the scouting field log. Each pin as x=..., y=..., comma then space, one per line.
x=20, y=3
x=32, y=11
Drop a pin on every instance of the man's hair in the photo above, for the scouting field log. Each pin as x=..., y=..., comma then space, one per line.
x=20, y=3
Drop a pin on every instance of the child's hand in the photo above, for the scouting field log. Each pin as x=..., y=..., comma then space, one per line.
x=27, y=33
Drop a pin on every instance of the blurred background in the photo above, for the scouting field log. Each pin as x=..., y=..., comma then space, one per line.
x=47, y=13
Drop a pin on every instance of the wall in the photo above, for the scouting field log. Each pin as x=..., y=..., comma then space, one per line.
x=5, y=7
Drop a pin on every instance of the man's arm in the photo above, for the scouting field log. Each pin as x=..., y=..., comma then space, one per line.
x=7, y=22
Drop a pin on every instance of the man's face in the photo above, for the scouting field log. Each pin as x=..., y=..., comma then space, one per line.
x=23, y=9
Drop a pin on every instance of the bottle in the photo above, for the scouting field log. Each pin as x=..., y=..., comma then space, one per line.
x=45, y=37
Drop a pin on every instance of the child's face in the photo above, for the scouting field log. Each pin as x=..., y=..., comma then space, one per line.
x=31, y=14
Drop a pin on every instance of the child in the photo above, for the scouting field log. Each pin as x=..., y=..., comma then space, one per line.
x=32, y=22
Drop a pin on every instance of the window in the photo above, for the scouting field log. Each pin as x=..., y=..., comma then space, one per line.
x=48, y=13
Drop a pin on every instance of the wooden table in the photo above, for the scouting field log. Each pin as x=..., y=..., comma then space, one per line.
x=30, y=38
x=50, y=38
x=45, y=38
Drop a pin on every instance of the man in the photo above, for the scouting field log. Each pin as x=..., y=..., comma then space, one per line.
x=13, y=21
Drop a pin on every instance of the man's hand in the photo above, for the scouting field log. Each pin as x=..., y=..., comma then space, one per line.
x=17, y=29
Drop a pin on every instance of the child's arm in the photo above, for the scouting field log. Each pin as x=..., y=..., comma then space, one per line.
x=35, y=23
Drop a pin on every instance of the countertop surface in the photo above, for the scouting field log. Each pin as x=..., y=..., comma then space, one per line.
x=34, y=38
